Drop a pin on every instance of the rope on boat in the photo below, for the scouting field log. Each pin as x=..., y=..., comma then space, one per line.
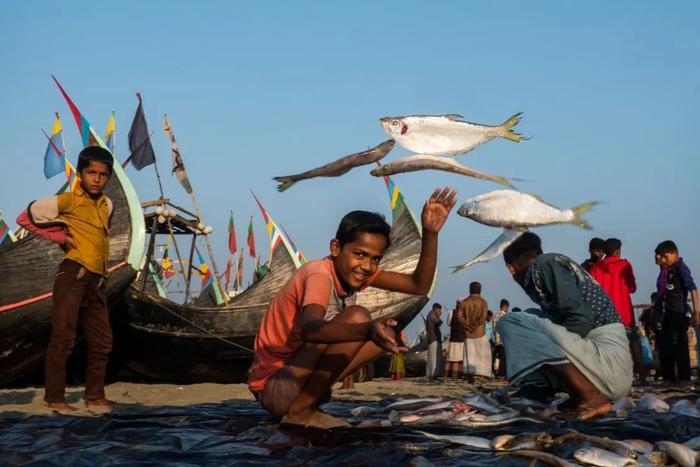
x=222, y=339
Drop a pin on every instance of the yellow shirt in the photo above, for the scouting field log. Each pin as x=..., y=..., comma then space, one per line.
x=88, y=226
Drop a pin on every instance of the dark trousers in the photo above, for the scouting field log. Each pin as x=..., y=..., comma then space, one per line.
x=672, y=342
x=501, y=355
x=78, y=295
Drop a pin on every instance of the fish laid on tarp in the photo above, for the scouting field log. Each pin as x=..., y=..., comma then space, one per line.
x=338, y=167
x=545, y=457
x=483, y=403
x=497, y=247
x=602, y=458
x=685, y=456
x=605, y=443
x=650, y=402
x=412, y=404
x=515, y=210
x=639, y=445
x=428, y=162
x=528, y=441
x=462, y=440
x=446, y=135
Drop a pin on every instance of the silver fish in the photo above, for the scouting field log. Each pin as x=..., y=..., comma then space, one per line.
x=497, y=247
x=649, y=402
x=362, y=410
x=602, y=458
x=416, y=419
x=685, y=456
x=639, y=445
x=515, y=210
x=428, y=162
x=470, y=441
x=442, y=135
x=489, y=422
x=338, y=167
x=534, y=441
x=499, y=442
x=545, y=457
x=412, y=404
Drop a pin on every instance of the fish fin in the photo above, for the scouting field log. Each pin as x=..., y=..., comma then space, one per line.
x=454, y=117
x=507, y=129
x=579, y=211
x=284, y=183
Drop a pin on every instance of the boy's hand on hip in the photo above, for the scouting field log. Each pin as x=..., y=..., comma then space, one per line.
x=437, y=208
x=382, y=336
x=68, y=244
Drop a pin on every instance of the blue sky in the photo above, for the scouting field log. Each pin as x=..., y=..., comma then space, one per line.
x=609, y=90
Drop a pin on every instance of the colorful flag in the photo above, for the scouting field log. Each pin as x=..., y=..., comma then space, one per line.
x=87, y=134
x=140, y=146
x=166, y=263
x=5, y=231
x=206, y=274
x=109, y=134
x=178, y=165
x=251, y=239
x=232, y=246
x=53, y=157
x=297, y=253
x=71, y=175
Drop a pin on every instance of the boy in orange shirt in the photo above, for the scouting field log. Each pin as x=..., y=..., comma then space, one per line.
x=313, y=335
x=79, y=222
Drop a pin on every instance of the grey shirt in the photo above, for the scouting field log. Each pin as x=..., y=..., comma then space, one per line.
x=432, y=327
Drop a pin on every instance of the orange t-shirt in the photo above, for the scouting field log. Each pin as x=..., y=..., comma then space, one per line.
x=279, y=337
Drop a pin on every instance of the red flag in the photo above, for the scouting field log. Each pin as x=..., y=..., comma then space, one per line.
x=232, y=247
x=251, y=239
x=239, y=272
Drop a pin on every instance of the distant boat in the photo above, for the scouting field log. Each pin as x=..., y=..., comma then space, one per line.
x=166, y=341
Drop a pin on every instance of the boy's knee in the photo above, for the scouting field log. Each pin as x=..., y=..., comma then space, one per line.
x=356, y=314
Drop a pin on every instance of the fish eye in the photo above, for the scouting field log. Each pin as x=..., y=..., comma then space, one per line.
x=394, y=123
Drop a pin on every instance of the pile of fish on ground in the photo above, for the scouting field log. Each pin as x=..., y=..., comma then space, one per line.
x=478, y=430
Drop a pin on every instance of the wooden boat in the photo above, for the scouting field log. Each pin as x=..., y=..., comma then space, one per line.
x=166, y=341
x=28, y=267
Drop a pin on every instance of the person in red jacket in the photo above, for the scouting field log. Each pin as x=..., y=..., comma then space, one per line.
x=616, y=277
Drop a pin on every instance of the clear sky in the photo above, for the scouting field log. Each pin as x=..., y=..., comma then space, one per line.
x=257, y=89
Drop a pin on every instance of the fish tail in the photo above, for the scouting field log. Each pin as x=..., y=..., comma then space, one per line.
x=456, y=269
x=580, y=210
x=284, y=183
x=507, y=129
x=505, y=181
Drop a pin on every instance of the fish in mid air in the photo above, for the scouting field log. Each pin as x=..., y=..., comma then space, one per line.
x=515, y=210
x=446, y=135
x=428, y=162
x=493, y=250
x=338, y=167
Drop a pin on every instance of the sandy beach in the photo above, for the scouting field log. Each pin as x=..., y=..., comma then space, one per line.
x=131, y=395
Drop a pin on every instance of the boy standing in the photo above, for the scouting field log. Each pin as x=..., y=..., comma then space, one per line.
x=616, y=276
x=79, y=222
x=500, y=354
x=576, y=339
x=312, y=335
x=674, y=283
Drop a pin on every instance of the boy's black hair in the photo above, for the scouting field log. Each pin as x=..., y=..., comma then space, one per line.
x=474, y=287
x=97, y=154
x=357, y=222
x=516, y=308
x=504, y=302
x=437, y=305
x=667, y=246
x=596, y=243
x=528, y=244
x=489, y=313
x=654, y=295
x=612, y=245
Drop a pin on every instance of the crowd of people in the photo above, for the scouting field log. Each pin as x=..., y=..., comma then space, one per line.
x=585, y=336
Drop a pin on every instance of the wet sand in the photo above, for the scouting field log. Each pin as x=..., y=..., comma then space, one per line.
x=133, y=395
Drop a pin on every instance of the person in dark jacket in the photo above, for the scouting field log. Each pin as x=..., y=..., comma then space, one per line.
x=674, y=284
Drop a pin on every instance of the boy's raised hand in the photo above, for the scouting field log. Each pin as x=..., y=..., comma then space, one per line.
x=385, y=338
x=437, y=208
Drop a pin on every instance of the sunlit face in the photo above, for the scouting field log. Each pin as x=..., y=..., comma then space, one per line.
x=94, y=178
x=666, y=259
x=356, y=261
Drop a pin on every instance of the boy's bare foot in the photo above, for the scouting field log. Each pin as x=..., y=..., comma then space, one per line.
x=61, y=407
x=315, y=419
x=593, y=407
x=99, y=405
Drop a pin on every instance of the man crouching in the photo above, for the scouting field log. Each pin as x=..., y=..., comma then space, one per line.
x=312, y=335
x=575, y=342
